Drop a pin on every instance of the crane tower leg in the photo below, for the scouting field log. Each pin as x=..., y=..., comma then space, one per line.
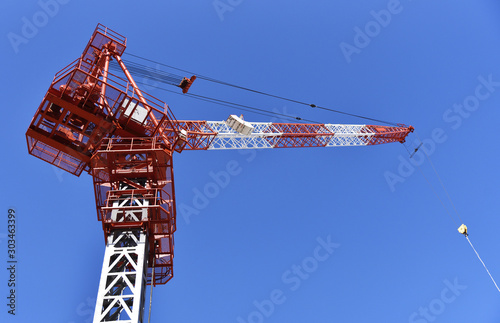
x=122, y=287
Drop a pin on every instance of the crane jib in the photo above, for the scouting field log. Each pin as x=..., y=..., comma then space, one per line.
x=204, y=135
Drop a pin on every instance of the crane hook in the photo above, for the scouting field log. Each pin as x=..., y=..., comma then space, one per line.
x=463, y=230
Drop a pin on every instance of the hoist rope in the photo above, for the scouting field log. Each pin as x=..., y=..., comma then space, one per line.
x=440, y=181
x=149, y=72
x=432, y=187
x=233, y=105
x=492, y=279
x=437, y=195
x=447, y=211
x=245, y=106
x=210, y=79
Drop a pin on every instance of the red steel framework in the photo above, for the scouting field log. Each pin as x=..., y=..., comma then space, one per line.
x=95, y=121
x=86, y=103
x=134, y=188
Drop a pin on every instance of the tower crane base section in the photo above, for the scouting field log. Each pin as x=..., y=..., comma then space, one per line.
x=122, y=287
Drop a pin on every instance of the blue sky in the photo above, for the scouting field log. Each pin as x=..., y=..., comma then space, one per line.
x=373, y=241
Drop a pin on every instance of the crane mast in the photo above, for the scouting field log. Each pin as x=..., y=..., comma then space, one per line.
x=95, y=121
x=133, y=182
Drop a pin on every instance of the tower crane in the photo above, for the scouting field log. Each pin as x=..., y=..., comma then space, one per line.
x=91, y=120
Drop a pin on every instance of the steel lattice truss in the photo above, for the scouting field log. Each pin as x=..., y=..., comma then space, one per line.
x=219, y=135
x=123, y=278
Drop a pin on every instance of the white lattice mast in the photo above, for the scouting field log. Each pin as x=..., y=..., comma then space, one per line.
x=120, y=297
x=121, y=294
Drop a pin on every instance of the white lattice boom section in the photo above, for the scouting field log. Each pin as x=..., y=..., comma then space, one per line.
x=220, y=135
